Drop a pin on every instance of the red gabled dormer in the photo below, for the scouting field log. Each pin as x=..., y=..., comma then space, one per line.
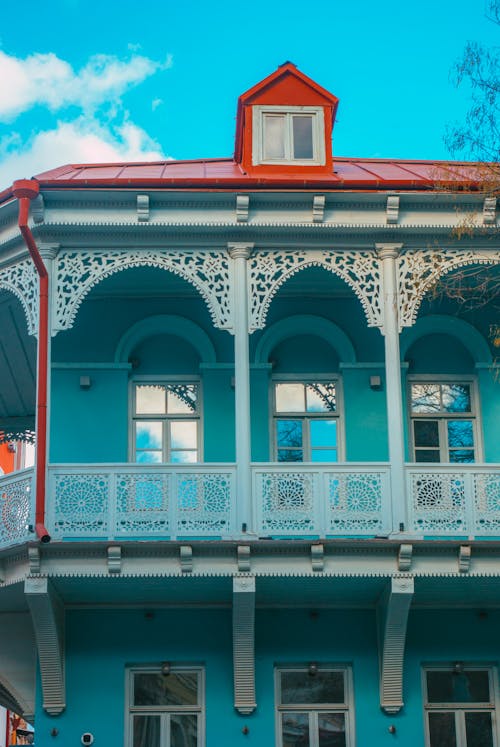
x=284, y=126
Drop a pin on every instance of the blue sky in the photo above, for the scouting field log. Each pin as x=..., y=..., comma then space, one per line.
x=86, y=81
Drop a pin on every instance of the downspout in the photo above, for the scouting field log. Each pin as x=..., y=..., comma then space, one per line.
x=26, y=190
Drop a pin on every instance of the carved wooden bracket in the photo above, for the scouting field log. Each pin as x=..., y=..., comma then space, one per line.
x=244, y=643
x=47, y=614
x=393, y=619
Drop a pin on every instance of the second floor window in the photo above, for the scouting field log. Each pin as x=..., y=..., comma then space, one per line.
x=306, y=427
x=443, y=421
x=166, y=422
x=288, y=135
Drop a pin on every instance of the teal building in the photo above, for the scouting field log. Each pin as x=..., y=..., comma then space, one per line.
x=265, y=508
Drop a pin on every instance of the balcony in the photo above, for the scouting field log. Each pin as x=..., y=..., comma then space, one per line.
x=186, y=502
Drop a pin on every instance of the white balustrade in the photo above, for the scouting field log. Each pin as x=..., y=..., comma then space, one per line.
x=17, y=507
x=454, y=500
x=321, y=500
x=138, y=502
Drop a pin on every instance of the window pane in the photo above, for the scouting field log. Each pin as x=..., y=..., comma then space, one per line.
x=184, y=457
x=425, y=398
x=302, y=137
x=331, y=727
x=149, y=457
x=456, y=397
x=181, y=398
x=461, y=456
x=323, y=433
x=460, y=433
x=442, y=730
x=478, y=730
x=295, y=729
x=183, y=434
x=426, y=432
x=155, y=689
x=148, y=434
x=301, y=687
x=183, y=730
x=274, y=136
x=149, y=399
x=289, y=433
x=470, y=686
x=320, y=397
x=290, y=398
x=290, y=455
x=324, y=455
x=146, y=731
x=427, y=455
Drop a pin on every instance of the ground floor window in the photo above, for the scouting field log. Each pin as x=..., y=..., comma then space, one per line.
x=313, y=706
x=460, y=706
x=166, y=707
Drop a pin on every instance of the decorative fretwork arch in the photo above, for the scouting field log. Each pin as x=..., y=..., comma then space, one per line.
x=305, y=324
x=440, y=324
x=77, y=272
x=22, y=281
x=420, y=270
x=268, y=270
x=166, y=324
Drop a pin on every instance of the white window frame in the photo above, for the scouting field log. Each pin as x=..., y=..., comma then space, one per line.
x=164, y=711
x=337, y=415
x=133, y=418
x=459, y=709
x=315, y=709
x=473, y=415
x=318, y=135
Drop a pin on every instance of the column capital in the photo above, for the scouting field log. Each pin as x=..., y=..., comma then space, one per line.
x=388, y=250
x=240, y=249
x=48, y=250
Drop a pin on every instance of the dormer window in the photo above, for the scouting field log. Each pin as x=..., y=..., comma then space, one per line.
x=293, y=135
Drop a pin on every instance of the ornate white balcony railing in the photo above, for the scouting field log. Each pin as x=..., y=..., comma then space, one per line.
x=455, y=499
x=139, y=502
x=321, y=500
x=17, y=507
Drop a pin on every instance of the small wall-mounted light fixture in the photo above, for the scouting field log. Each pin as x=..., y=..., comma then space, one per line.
x=313, y=669
x=458, y=667
x=375, y=383
x=165, y=668
x=392, y=729
x=85, y=382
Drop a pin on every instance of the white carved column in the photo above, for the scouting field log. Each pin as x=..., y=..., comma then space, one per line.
x=388, y=253
x=240, y=253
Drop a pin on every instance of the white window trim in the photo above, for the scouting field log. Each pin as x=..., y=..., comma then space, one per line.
x=170, y=379
x=347, y=708
x=199, y=709
x=474, y=415
x=318, y=122
x=338, y=414
x=492, y=707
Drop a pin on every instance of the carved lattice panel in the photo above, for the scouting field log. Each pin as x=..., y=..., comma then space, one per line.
x=21, y=279
x=142, y=504
x=487, y=503
x=77, y=272
x=439, y=503
x=269, y=270
x=418, y=271
x=354, y=503
x=16, y=509
x=288, y=503
x=81, y=505
x=203, y=503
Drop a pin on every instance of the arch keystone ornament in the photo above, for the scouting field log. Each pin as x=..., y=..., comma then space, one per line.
x=393, y=612
x=244, y=644
x=47, y=615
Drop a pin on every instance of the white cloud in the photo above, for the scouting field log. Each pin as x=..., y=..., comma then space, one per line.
x=47, y=80
x=81, y=141
x=155, y=104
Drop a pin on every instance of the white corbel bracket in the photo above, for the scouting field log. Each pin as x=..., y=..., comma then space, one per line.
x=489, y=211
x=143, y=208
x=392, y=209
x=114, y=559
x=242, y=208
x=393, y=619
x=244, y=644
x=319, y=202
x=47, y=615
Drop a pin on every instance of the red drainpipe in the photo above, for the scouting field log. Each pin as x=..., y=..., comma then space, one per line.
x=26, y=190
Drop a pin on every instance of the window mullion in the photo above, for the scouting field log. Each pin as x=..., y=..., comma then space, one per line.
x=288, y=137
